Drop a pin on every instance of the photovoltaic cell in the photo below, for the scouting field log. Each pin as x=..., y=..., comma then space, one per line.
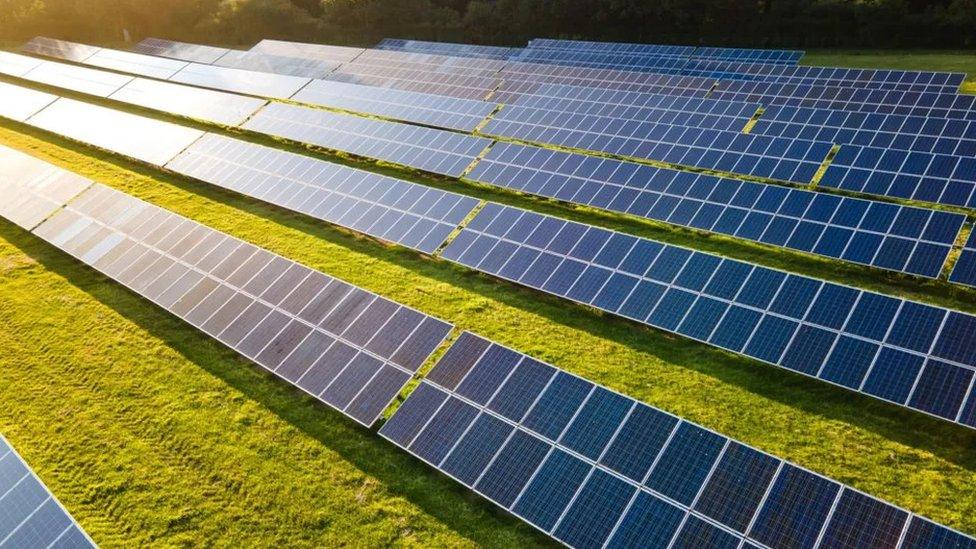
x=696, y=489
x=791, y=160
x=339, y=54
x=194, y=53
x=428, y=109
x=432, y=150
x=277, y=64
x=30, y=515
x=347, y=347
x=210, y=105
x=145, y=65
x=21, y=103
x=61, y=49
x=397, y=211
x=447, y=48
x=887, y=236
x=31, y=189
x=145, y=139
x=965, y=270
x=912, y=354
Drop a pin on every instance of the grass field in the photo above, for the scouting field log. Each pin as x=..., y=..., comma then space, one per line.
x=151, y=432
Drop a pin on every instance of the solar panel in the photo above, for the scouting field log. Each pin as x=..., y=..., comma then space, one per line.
x=888, y=236
x=439, y=83
x=390, y=209
x=965, y=270
x=123, y=61
x=593, y=468
x=31, y=189
x=212, y=106
x=145, y=139
x=32, y=516
x=436, y=151
x=749, y=55
x=277, y=64
x=893, y=131
x=928, y=177
x=21, y=103
x=612, y=47
x=61, y=49
x=80, y=79
x=782, y=159
x=17, y=65
x=259, y=84
x=908, y=353
x=338, y=54
x=179, y=50
x=447, y=48
x=347, y=347
x=428, y=109
x=429, y=62
x=940, y=105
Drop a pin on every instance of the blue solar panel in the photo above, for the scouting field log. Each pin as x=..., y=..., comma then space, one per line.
x=922, y=176
x=791, y=160
x=946, y=104
x=740, y=54
x=30, y=516
x=965, y=270
x=427, y=149
x=447, y=48
x=596, y=468
x=892, y=131
x=798, y=219
x=852, y=338
x=428, y=109
x=397, y=211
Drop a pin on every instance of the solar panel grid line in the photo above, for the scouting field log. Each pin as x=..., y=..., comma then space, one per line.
x=482, y=408
x=799, y=319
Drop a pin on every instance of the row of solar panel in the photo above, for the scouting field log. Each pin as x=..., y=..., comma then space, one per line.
x=912, y=354
x=900, y=238
x=495, y=417
x=965, y=270
x=593, y=468
x=347, y=347
x=30, y=516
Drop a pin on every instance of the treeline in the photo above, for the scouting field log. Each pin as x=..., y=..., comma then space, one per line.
x=758, y=23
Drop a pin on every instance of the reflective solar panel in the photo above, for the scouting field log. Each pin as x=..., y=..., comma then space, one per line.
x=31, y=189
x=429, y=62
x=894, y=131
x=440, y=83
x=928, y=177
x=593, y=468
x=447, y=48
x=212, y=106
x=618, y=47
x=142, y=138
x=17, y=65
x=428, y=109
x=30, y=515
x=61, y=49
x=965, y=270
x=427, y=149
x=179, y=50
x=390, y=209
x=887, y=236
x=21, y=103
x=905, y=352
x=80, y=79
x=782, y=159
x=339, y=54
x=347, y=347
x=277, y=64
x=260, y=84
x=145, y=65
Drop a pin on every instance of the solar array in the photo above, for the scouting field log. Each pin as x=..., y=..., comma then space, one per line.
x=593, y=468
x=905, y=352
x=404, y=213
x=347, y=347
x=445, y=48
x=261, y=84
x=277, y=64
x=789, y=57
x=430, y=110
x=965, y=270
x=194, y=53
x=30, y=515
x=32, y=190
x=201, y=104
x=337, y=54
x=427, y=149
x=900, y=238
x=522, y=79
x=793, y=160
x=922, y=176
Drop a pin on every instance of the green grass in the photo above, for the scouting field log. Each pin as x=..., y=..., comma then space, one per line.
x=151, y=432
x=922, y=60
